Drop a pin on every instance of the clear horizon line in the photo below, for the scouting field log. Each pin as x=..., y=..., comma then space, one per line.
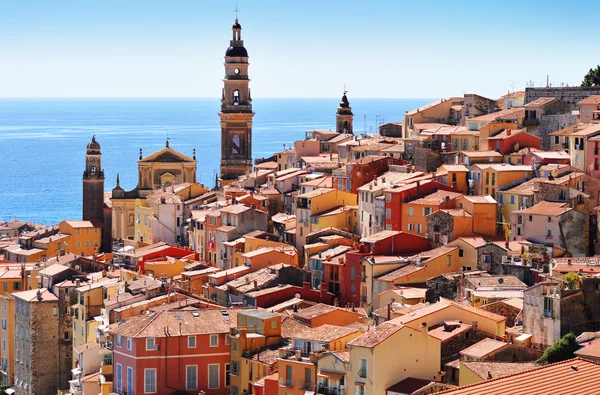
x=204, y=97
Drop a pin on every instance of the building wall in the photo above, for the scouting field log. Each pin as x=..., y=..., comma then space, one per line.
x=7, y=336
x=421, y=355
x=84, y=241
x=36, y=329
x=572, y=95
x=172, y=375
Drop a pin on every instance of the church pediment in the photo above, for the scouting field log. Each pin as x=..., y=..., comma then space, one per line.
x=167, y=155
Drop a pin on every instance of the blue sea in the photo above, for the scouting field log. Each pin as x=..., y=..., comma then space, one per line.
x=42, y=141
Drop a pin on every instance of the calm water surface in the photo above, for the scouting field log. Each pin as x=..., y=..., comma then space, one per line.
x=42, y=141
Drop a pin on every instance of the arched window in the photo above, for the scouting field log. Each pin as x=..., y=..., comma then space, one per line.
x=235, y=144
x=236, y=97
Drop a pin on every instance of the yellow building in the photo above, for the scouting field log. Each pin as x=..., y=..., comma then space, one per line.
x=143, y=226
x=456, y=177
x=7, y=340
x=86, y=236
x=268, y=256
x=375, y=367
x=497, y=176
x=90, y=301
x=439, y=111
x=374, y=267
x=253, y=348
x=251, y=242
x=170, y=267
x=420, y=268
x=297, y=364
x=465, y=140
x=323, y=208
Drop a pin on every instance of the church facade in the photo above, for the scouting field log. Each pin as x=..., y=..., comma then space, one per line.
x=160, y=169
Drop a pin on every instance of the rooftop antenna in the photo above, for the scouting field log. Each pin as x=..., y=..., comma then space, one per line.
x=168, y=138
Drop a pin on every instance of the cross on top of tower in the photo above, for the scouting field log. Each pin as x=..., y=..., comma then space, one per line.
x=236, y=12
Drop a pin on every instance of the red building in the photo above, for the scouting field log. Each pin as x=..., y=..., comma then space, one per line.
x=396, y=197
x=387, y=242
x=362, y=171
x=508, y=141
x=547, y=157
x=172, y=351
x=268, y=297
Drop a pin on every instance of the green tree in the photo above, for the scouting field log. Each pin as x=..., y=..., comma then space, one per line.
x=592, y=78
x=572, y=280
x=562, y=350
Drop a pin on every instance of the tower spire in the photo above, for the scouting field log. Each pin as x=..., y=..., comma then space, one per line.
x=118, y=183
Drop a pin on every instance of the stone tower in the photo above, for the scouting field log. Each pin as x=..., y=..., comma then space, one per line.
x=236, y=111
x=93, y=183
x=344, y=116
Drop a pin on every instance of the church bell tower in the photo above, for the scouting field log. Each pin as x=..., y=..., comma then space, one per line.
x=236, y=111
x=344, y=116
x=93, y=183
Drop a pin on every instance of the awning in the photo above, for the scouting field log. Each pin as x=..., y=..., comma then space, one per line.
x=330, y=375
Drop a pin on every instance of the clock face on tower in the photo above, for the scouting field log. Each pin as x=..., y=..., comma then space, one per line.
x=236, y=71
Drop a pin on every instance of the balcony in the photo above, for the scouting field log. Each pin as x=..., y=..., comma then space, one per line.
x=362, y=373
x=325, y=390
x=307, y=386
x=286, y=383
x=531, y=122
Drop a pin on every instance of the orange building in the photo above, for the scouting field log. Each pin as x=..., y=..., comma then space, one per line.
x=86, y=236
x=321, y=314
x=267, y=256
x=173, y=351
x=414, y=214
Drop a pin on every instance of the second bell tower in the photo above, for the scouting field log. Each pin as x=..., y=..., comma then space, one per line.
x=236, y=111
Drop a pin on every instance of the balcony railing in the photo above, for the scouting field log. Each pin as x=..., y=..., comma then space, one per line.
x=286, y=383
x=325, y=390
x=362, y=373
x=305, y=385
x=547, y=313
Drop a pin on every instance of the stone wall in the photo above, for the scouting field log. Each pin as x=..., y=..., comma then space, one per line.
x=552, y=123
x=452, y=347
x=507, y=310
x=572, y=95
x=494, y=266
x=580, y=309
x=440, y=287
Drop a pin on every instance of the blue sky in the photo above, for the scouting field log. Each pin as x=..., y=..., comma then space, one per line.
x=309, y=48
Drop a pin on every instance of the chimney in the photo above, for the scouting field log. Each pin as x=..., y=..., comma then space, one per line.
x=255, y=284
x=38, y=295
x=424, y=328
x=508, y=132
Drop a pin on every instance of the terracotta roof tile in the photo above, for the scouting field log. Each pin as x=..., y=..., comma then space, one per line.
x=376, y=335
x=483, y=348
x=573, y=376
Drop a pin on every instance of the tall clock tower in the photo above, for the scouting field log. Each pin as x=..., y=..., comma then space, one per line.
x=236, y=111
x=93, y=183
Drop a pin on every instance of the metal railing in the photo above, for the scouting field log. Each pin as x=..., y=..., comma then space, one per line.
x=362, y=373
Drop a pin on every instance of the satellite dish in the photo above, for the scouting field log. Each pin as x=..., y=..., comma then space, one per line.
x=77, y=267
x=297, y=296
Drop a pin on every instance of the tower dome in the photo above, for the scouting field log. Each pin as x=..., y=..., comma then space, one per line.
x=93, y=147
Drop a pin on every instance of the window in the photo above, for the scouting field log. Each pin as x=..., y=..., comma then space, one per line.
x=411, y=227
x=549, y=234
x=449, y=260
x=67, y=335
x=214, y=340
x=119, y=377
x=150, y=344
x=149, y=381
x=388, y=197
x=227, y=378
x=512, y=199
x=191, y=341
x=129, y=380
x=129, y=341
x=411, y=211
x=119, y=340
x=213, y=376
x=362, y=372
x=388, y=213
x=352, y=273
x=556, y=140
x=341, y=184
x=530, y=218
x=3, y=324
x=419, y=228
x=549, y=219
x=461, y=252
x=191, y=377
x=500, y=198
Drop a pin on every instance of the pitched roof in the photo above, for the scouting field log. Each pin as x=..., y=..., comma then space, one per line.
x=542, y=101
x=401, y=272
x=179, y=322
x=592, y=99
x=409, y=385
x=436, y=198
x=32, y=295
x=573, y=376
x=546, y=208
x=376, y=335
x=589, y=349
x=315, y=311
x=483, y=348
x=497, y=369
x=326, y=333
